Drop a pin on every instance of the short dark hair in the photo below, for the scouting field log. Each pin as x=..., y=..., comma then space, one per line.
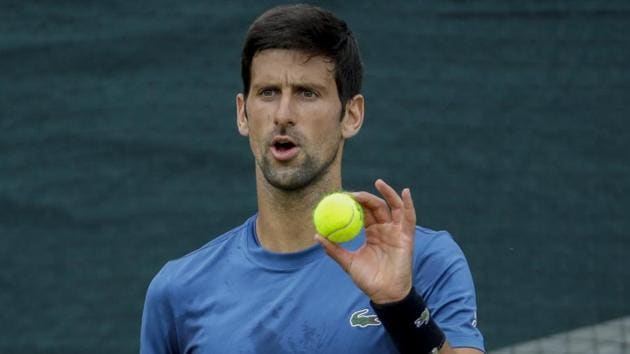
x=314, y=31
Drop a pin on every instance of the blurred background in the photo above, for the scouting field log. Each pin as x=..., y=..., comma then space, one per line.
x=119, y=151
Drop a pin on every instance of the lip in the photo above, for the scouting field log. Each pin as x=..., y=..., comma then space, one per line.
x=284, y=154
x=282, y=139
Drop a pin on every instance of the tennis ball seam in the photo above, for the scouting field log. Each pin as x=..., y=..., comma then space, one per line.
x=350, y=221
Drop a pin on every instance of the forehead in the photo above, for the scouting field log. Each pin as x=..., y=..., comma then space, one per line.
x=286, y=66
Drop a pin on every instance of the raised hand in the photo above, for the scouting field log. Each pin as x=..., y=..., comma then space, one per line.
x=381, y=267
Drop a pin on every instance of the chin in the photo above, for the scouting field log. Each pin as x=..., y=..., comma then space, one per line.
x=289, y=184
x=298, y=176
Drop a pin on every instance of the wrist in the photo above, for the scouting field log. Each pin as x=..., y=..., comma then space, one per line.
x=409, y=323
x=392, y=297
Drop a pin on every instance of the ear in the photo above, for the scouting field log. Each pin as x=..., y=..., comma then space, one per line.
x=241, y=115
x=353, y=116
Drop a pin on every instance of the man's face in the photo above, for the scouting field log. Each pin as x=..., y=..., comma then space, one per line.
x=292, y=116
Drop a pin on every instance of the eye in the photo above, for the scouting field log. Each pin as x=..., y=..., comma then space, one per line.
x=267, y=92
x=308, y=93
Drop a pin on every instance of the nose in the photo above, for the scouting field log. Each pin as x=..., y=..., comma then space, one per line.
x=284, y=114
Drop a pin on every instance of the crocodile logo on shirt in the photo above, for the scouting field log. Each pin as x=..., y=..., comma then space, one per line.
x=360, y=319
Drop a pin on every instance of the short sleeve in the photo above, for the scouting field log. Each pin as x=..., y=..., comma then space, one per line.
x=443, y=277
x=157, y=333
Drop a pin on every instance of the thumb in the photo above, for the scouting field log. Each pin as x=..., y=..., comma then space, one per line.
x=341, y=255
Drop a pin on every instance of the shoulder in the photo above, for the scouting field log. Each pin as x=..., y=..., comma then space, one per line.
x=439, y=261
x=186, y=268
x=442, y=275
x=431, y=244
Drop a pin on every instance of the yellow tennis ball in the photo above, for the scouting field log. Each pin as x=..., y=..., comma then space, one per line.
x=338, y=217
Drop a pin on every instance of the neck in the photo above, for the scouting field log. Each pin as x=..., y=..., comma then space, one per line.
x=285, y=218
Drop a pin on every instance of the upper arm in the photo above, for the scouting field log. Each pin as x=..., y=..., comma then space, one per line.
x=157, y=333
x=446, y=349
x=467, y=351
x=443, y=276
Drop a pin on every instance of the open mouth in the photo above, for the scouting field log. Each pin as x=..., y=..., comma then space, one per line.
x=283, y=148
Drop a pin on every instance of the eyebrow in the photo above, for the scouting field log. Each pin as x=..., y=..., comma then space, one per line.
x=298, y=85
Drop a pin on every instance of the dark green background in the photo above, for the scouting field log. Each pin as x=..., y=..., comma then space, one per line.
x=118, y=151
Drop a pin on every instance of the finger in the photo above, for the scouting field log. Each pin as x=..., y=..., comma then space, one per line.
x=409, y=212
x=342, y=256
x=392, y=198
x=375, y=209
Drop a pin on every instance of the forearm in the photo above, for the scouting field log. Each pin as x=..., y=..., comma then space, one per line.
x=412, y=329
x=410, y=325
x=446, y=349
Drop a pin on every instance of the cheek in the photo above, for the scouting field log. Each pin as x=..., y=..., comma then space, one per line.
x=259, y=119
x=324, y=119
x=257, y=140
x=327, y=135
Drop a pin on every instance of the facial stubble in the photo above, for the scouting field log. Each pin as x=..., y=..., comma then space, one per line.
x=300, y=176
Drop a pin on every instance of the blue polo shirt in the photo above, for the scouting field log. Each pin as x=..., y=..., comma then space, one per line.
x=233, y=296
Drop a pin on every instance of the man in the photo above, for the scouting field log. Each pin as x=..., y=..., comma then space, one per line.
x=268, y=285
